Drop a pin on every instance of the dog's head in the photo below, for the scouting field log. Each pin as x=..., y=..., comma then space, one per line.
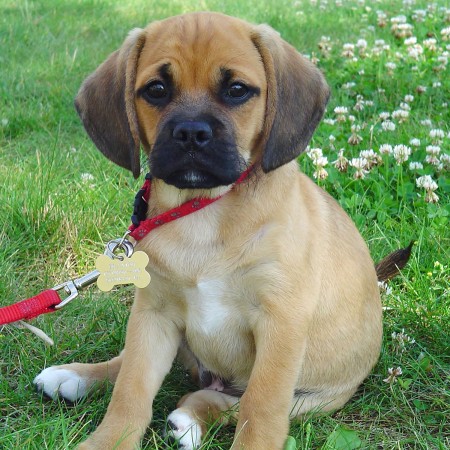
x=206, y=95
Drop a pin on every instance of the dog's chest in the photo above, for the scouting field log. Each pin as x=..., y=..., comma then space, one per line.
x=217, y=330
x=203, y=276
x=208, y=306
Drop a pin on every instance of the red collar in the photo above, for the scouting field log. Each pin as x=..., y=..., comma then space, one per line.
x=141, y=227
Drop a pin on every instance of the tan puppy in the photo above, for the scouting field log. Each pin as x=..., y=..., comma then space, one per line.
x=269, y=295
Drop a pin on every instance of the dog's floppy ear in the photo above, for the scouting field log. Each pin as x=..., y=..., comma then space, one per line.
x=296, y=98
x=105, y=103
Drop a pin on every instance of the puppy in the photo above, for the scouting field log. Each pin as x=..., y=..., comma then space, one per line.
x=269, y=295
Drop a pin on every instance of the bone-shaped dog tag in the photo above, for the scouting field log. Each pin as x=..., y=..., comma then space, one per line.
x=123, y=270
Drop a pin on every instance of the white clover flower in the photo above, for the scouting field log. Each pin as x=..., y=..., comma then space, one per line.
x=426, y=123
x=388, y=125
x=368, y=154
x=362, y=43
x=427, y=183
x=315, y=60
x=414, y=142
x=348, y=50
x=85, y=177
x=360, y=165
x=390, y=66
x=415, y=165
x=329, y=121
x=401, y=341
x=445, y=161
x=400, y=114
x=410, y=41
x=421, y=89
x=359, y=105
x=384, y=288
x=341, y=163
x=415, y=51
x=325, y=45
x=393, y=374
x=419, y=15
x=320, y=173
x=430, y=44
x=398, y=19
x=431, y=197
x=445, y=34
x=373, y=159
x=349, y=85
x=321, y=161
x=315, y=153
x=409, y=98
x=405, y=106
x=341, y=110
x=446, y=13
x=401, y=29
x=386, y=149
x=384, y=115
x=437, y=133
x=355, y=139
x=401, y=153
x=404, y=30
x=433, y=152
x=437, y=84
x=381, y=19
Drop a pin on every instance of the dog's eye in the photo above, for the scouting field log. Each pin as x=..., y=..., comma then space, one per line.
x=156, y=90
x=237, y=91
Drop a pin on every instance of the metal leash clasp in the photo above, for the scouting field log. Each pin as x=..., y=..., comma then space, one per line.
x=72, y=287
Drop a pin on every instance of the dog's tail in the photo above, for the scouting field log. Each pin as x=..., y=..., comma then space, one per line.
x=391, y=265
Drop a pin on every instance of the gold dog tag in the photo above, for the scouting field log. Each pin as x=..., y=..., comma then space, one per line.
x=122, y=270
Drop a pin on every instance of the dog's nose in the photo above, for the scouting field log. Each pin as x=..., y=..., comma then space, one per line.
x=196, y=133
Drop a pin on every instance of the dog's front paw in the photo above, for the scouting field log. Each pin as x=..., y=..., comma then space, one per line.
x=185, y=430
x=58, y=382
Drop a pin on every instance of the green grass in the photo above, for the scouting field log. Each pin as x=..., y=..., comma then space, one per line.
x=53, y=223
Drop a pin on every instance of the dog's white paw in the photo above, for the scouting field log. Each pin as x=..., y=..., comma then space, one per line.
x=57, y=382
x=184, y=429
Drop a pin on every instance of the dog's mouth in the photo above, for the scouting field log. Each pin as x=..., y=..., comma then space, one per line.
x=194, y=179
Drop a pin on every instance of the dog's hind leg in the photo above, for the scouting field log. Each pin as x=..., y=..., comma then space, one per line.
x=76, y=380
x=188, y=423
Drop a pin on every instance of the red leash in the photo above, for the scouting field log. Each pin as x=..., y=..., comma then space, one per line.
x=42, y=303
x=48, y=301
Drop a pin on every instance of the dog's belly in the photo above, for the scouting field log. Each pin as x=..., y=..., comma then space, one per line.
x=217, y=330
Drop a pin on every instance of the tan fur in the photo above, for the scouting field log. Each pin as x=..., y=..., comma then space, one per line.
x=295, y=288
